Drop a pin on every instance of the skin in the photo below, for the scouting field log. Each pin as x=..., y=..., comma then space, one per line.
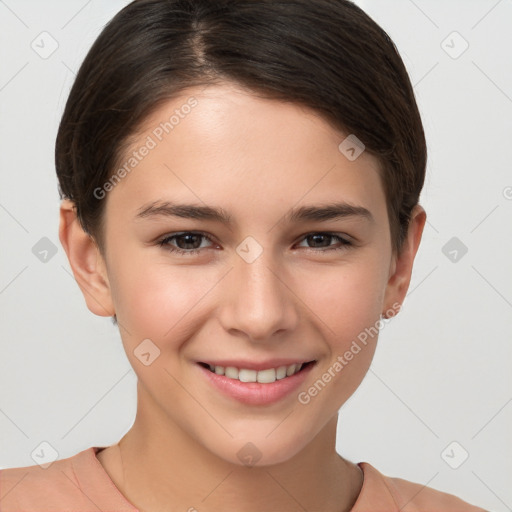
x=256, y=158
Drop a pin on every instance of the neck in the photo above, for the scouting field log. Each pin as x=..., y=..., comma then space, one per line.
x=157, y=464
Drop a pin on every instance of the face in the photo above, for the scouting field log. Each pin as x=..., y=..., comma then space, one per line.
x=246, y=276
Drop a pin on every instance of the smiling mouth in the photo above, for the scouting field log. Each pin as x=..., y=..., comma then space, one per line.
x=266, y=376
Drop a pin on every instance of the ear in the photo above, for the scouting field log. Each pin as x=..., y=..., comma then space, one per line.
x=401, y=268
x=86, y=261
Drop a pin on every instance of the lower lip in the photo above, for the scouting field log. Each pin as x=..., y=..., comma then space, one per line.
x=255, y=393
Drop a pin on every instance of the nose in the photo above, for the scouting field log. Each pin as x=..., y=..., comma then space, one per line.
x=258, y=302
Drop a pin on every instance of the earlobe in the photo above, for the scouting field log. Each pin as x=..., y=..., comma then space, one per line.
x=86, y=261
x=400, y=275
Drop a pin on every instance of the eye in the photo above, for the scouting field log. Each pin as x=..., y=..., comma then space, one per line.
x=189, y=242
x=185, y=239
x=319, y=238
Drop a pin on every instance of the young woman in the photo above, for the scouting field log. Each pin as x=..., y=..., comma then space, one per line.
x=240, y=184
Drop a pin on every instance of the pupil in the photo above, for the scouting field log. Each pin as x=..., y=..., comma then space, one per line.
x=315, y=238
x=188, y=240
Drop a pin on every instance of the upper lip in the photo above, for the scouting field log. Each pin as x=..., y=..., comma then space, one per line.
x=254, y=365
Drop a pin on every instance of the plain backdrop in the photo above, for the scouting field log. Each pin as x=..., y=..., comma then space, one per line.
x=435, y=406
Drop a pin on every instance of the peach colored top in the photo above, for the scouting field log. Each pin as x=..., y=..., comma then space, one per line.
x=81, y=484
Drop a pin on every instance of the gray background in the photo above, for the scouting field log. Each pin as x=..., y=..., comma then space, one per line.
x=441, y=373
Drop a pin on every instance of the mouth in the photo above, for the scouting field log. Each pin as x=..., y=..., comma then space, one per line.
x=256, y=384
x=263, y=376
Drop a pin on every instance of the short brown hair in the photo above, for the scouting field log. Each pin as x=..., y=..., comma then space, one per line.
x=324, y=54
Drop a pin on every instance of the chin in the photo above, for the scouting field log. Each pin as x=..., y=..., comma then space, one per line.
x=258, y=450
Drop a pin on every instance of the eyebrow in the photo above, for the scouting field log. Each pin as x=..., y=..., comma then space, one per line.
x=319, y=213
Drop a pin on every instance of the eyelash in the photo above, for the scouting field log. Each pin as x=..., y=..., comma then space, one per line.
x=165, y=242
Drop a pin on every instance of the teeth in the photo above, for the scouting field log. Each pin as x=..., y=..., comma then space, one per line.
x=281, y=372
x=231, y=372
x=290, y=370
x=247, y=375
x=266, y=376
x=263, y=376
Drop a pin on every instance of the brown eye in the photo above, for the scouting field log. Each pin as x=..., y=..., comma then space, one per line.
x=321, y=240
x=188, y=242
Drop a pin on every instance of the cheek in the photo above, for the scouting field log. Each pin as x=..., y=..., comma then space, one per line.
x=348, y=303
x=346, y=299
x=156, y=299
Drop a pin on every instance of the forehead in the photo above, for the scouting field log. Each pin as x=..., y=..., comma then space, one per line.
x=225, y=145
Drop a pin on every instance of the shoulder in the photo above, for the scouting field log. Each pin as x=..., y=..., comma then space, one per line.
x=397, y=494
x=20, y=487
x=55, y=487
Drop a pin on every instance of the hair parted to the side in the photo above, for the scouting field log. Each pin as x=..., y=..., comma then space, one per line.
x=328, y=55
